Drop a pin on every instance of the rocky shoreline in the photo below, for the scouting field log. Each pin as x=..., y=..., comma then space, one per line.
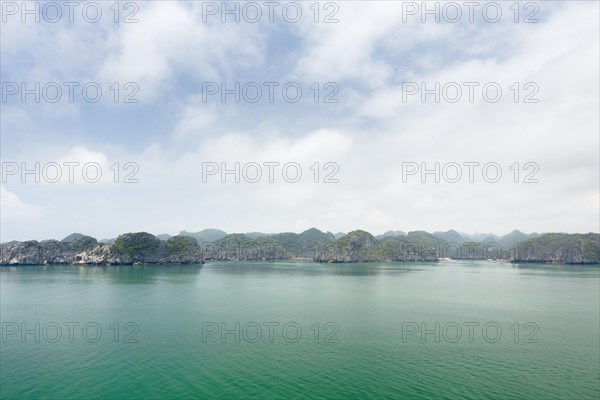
x=132, y=248
x=357, y=246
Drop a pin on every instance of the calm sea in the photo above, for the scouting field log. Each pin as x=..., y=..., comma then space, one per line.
x=463, y=330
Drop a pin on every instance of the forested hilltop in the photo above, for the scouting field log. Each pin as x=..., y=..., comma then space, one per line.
x=312, y=244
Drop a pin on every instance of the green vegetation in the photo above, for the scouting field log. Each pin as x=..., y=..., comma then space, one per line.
x=84, y=243
x=559, y=247
x=451, y=236
x=139, y=244
x=205, y=236
x=304, y=244
x=241, y=247
x=73, y=237
x=356, y=246
x=181, y=245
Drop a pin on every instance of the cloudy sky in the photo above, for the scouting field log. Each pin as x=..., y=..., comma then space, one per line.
x=320, y=114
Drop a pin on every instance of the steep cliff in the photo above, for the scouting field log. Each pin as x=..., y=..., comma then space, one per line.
x=559, y=248
x=356, y=246
x=130, y=248
x=239, y=247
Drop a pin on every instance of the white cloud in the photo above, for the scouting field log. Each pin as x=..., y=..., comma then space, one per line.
x=196, y=121
x=371, y=52
x=13, y=208
x=171, y=39
x=82, y=155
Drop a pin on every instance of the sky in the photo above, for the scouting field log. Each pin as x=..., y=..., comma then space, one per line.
x=166, y=116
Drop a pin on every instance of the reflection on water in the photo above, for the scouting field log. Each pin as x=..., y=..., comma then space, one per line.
x=122, y=274
x=314, y=269
x=570, y=270
x=148, y=273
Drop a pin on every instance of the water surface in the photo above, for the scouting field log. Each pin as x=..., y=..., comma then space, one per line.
x=301, y=330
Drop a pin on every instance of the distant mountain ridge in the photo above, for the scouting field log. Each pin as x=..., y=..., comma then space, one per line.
x=313, y=244
x=451, y=236
x=206, y=235
x=390, y=234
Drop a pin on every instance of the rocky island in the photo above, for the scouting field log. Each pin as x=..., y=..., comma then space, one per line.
x=130, y=248
x=312, y=244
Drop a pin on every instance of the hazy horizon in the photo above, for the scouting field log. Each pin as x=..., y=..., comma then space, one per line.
x=406, y=231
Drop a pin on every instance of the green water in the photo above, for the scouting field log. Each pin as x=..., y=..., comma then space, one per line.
x=161, y=331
